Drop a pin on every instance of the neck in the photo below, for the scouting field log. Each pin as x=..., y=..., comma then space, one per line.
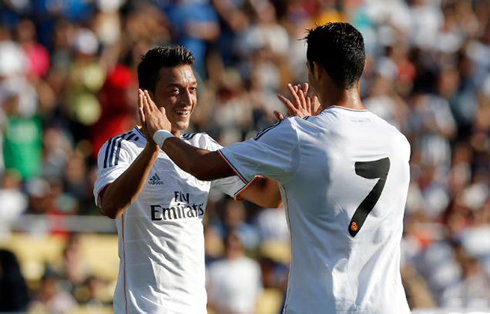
x=348, y=98
x=176, y=133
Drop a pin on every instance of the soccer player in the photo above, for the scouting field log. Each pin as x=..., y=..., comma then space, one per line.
x=159, y=208
x=343, y=176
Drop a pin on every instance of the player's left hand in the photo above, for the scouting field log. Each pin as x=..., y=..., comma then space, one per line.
x=154, y=118
x=301, y=105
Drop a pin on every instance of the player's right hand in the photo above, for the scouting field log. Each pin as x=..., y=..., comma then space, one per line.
x=152, y=117
x=301, y=105
x=142, y=118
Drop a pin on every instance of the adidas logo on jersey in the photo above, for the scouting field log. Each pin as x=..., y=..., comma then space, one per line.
x=155, y=180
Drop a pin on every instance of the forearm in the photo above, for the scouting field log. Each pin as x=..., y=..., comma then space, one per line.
x=203, y=164
x=207, y=165
x=123, y=191
x=263, y=192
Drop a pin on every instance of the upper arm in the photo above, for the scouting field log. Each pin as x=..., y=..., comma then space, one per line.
x=273, y=153
x=112, y=160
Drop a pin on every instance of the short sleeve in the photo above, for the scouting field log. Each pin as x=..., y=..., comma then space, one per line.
x=231, y=186
x=113, y=159
x=272, y=153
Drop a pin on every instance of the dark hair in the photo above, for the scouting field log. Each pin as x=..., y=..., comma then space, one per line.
x=157, y=58
x=339, y=48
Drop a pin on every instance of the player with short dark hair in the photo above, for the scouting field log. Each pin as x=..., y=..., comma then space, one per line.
x=157, y=58
x=339, y=49
x=343, y=175
x=159, y=208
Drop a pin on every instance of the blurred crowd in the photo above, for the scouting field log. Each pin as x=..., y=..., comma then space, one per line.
x=68, y=83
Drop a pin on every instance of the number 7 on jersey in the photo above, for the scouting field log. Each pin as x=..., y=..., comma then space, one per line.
x=369, y=170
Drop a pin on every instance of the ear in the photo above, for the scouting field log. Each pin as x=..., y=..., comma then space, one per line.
x=317, y=70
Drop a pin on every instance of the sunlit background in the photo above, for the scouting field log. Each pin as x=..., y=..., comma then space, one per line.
x=68, y=83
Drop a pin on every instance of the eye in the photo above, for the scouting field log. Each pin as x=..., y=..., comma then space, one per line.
x=193, y=89
x=174, y=91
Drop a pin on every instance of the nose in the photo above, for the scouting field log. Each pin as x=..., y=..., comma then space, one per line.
x=187, y=97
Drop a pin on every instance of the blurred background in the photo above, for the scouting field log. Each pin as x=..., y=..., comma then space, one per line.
x=68, y=83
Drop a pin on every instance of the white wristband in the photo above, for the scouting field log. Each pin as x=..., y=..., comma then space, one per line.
x=160, y=136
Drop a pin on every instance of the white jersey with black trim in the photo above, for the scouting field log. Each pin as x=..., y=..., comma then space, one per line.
x=161, y=242
x=344, y=178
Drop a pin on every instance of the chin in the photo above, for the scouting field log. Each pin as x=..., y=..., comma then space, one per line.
x=180, y=126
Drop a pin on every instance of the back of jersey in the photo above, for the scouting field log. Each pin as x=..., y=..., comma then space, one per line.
x=345, y=207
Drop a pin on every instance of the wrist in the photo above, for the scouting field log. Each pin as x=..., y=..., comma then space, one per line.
x=160, y=136
x=151, y=148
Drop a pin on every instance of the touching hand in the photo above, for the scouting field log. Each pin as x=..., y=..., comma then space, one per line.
x=142, y=119
x=152, y=117
x=302, y=105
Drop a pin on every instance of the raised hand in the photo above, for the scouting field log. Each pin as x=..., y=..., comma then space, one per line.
x=301, y=105
x=142, y=118
x=152, y=117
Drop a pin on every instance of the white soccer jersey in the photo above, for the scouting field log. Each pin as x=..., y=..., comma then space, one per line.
x=161, y=242
x=344, y=178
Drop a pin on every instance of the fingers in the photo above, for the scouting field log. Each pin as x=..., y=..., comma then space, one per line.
x=287, y=103
x=141, y=114
x=150, y=101
x=308, y=104
x=308, y=98
x=162, y=110
x=147, y=109
x=279, y=116
x=302, y=98
x=146, y=102
x=305, y=88
x=294, y=94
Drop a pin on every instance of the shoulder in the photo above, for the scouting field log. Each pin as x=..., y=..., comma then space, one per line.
x=123, y=141
x=398, y=139
x=200, y=140
x=283, y=126
x=128, y=137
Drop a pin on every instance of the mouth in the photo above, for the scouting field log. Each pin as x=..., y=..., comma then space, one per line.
x=182, y=113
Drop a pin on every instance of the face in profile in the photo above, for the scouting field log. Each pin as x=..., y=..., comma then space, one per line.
x=176, y=91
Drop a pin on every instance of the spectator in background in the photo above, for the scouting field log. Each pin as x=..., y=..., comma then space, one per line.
x=36, y=53
x=85, y=78
x=233, y=219
x=194, y=24
x=38, y=191
x=21, y=139
x=116, y=100
x=233, y=283
x=12, y=202
x=51, y=298
x=272, y=226
x=472, y=290
x=14, y=296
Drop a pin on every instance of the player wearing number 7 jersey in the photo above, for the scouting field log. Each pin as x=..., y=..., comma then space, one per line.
x=343, y=175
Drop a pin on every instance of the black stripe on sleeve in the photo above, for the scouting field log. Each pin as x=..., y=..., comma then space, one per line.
x=267, y=129
x=107, y=149
x=116, y=142
x=119, y=147
x=188, y=136
x=113, y=148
